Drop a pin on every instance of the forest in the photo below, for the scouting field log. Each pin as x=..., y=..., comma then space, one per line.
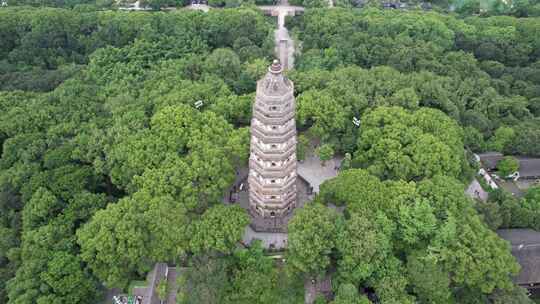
x=108, y=167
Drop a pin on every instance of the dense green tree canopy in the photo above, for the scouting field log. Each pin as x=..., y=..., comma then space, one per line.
x=395, y=143
x=311, y=240
x=121, y=131
x=389, y=228
x=107, y=166
x=482, y=72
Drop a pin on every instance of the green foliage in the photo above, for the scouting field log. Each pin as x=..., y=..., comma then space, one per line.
x=325, y=152
x=220, y=229
x=224, y=63
x=364, y=245
x=518, y=295
x=479, y=71
x=311, y=239
x=527, y=141
x=122, y=240
x=425, y=237
x=347, y=294
x=108, y=167
x=246, y=276
x=507, y=166
x=398, y=144
x=302, y=147
x=162, y=289
x=502, y=139
x=491, y=214
x=110, y=170
x=430, y=282
x=347, y=162
x=205, y=281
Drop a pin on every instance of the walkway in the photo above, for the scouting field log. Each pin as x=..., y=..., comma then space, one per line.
x=315, y=173
x=284, y=44
x=269, y=239
x=475, y=191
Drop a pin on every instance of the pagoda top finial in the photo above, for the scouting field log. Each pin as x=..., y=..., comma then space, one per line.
x=276, y=67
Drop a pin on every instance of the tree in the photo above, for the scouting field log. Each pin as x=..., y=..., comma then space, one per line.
x=322, y=113
x=502, y=138
x=429, y=281
x=325, y=152
x=162, y=289
x=311, y=239
x=302, y=147
x=527, y=139
x=364, y=245
x=491, y=214
x=347, y=162
x=398, y=144
x=224, y=63
x=43, y=207
x=125, y=239
x=219, y=229
x=473, y=139
x=507, y=166
x=68, y=280
x=391, y=226
x=255, y=277
x=205, y=281
x=518, y=295
x=347, y=294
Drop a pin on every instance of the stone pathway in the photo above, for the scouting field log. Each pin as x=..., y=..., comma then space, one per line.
x=284, y=44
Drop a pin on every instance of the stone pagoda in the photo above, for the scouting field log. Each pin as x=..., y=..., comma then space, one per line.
x=272, y=161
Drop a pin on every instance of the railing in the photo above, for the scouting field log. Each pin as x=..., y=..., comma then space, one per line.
x=276, y=100
x=281, y=186
x=291, y=165
x=273, y=120
x=289, y=144
x=271, y=139
x=281, y=130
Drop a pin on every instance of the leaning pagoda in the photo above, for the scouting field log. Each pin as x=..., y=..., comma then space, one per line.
x=272, y=162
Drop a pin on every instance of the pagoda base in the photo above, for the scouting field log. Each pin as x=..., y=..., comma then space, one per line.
x=259, y=223
x=279, y=224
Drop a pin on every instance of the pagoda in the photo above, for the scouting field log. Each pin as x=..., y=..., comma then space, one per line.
x=272, y=162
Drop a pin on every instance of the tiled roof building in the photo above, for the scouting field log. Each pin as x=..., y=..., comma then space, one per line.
x=526, y=249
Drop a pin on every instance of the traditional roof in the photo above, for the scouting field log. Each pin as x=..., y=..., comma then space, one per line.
x=526, y=249
x=529, y=167
x=274, y=82
x=490, y=159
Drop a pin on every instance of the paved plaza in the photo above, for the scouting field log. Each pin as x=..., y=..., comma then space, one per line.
x=312, y=170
